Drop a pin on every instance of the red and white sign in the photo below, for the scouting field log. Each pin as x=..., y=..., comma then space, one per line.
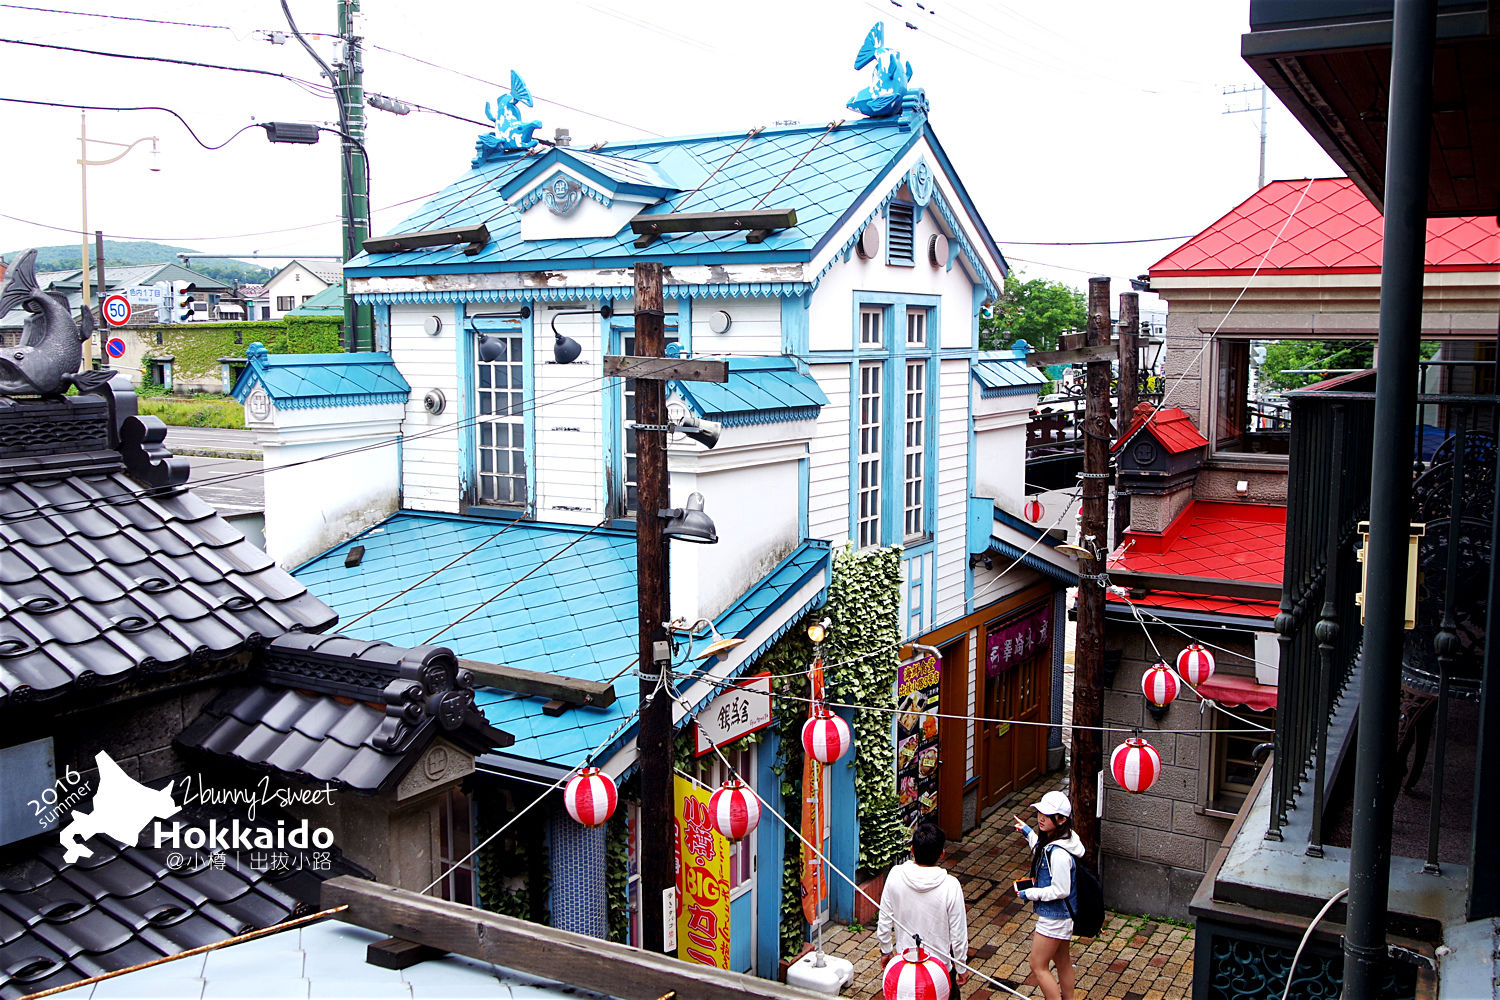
x=116, y=310
x=736, y=712
x=114, y=347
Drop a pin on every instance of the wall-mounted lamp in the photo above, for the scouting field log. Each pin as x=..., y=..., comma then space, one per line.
x=1088, y=550
x=717, y=647
x=981, y=559
x=492, y=349
x=706, y=432
x=689, y=523
x=565, y=350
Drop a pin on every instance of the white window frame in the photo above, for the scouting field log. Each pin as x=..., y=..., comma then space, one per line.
x=870, y=456
x=500, y=412
x=916, y=328
x=871, y=326
x=459, y=879
x=914, y=514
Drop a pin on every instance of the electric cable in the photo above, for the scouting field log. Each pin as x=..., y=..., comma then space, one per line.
x=1290, y=969
x=1029, y=549
x=149, y=107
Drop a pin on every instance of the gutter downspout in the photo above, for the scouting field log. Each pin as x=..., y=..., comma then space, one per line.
x=1377, y=770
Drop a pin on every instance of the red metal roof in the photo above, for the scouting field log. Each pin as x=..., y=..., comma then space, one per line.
x=1223, y=540
x=1171, y=426
x=1335, y=229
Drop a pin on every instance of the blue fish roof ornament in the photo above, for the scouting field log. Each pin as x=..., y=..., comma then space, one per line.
x=511, y=133
x=890, y=79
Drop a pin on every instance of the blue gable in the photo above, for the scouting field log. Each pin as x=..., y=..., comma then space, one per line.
x=759, y=391
x=305, y=381
x=605, y=177
x=1001, y=373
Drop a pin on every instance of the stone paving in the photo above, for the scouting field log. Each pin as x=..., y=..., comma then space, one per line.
x=1135, y=958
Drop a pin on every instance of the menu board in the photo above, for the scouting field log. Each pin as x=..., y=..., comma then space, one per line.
x=917, y=685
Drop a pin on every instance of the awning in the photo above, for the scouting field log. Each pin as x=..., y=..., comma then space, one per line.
x=1231, y=691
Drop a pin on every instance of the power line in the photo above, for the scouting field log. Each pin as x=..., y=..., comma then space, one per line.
x=112, y=17
x=1090, y=243
x=145, y=107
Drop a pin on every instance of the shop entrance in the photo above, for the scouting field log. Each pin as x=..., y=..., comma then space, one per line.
x=1012, y=747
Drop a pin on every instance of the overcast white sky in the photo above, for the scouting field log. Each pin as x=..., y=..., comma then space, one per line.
x=1068, y=121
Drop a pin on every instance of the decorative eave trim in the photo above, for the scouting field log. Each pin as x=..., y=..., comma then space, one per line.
x=991, y=392
x=751, y=418
x=1056, y=574
x=328, y=402
x=727, y=290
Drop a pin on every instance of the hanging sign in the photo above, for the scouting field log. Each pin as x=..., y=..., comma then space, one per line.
x=1018, y=640
x=702, y=879
x=735, y=712
x=917, y=687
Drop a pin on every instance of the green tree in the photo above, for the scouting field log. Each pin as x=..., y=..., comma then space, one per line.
x=1036, y=311
x=1284, y=356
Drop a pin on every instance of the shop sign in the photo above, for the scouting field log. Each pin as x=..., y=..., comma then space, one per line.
x=917, y=686
x=1012, y=643
x=736, y=712
x=702, y=879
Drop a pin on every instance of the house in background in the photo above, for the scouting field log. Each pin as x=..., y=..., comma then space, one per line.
x=295, y=284
x=858, y=412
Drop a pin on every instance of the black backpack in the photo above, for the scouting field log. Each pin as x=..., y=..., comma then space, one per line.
x=1088, y=918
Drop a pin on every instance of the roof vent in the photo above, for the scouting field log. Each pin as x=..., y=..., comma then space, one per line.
x=562, y=137
x=900, y=234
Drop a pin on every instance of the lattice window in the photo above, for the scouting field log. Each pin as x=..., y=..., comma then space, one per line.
x=915, y=522
x=901, y=239
x=871, y=322
x=916, y=328
x=501, y=445
x=460, y=879
x=869, y=455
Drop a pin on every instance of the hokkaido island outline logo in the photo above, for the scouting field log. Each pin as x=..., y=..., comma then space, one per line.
x=122, y=808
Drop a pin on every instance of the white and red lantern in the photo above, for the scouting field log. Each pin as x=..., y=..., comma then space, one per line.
x=1135, y=765
x=1159, y=685
x=1034, y=511
x=735, y=810
x=915, y=974
x=1195, y=663
x=590, y=797
x=825, y=737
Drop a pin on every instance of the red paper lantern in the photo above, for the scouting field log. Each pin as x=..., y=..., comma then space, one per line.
x=1195, y=664
x=1034, y=511
x=1135, y=765
x=825, y=737
x=590, y=797
x=735, y=810
x=915, y=975
x=1159, y=685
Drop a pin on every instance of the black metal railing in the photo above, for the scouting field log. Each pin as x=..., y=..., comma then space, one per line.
x=1328, y=487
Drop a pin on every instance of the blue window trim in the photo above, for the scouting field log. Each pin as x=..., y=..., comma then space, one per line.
x=612, y=334
x=468, y=438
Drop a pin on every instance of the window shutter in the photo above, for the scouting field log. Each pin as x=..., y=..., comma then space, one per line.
x=900, y=234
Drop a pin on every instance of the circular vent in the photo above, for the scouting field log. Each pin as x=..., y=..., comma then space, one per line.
x=868, y=244
x=937, y=250
x=434, y=402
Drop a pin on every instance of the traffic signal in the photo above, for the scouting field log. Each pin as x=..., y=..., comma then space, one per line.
x=182, y=302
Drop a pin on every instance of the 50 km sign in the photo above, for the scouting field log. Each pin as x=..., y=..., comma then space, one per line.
x=116, y=310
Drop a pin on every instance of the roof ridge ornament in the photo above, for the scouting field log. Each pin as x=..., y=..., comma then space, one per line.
x=890, y=91
x=511, y=133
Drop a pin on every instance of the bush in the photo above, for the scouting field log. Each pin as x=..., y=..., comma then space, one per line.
x=205, y=411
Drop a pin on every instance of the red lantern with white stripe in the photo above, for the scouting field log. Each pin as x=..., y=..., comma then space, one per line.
x=1135, y=765
x=735, y=810
x=1195, y=664
x=1159, y=685
x=915, y=975
x=590, y=797
x=825, y=737
x=1034, y=511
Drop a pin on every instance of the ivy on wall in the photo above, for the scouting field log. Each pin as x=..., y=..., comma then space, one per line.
x=515, y=875
x=197, y=347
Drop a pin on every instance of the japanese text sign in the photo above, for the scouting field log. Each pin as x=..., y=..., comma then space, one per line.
x=735, y=712
x=702, y=880
x=1018, y=640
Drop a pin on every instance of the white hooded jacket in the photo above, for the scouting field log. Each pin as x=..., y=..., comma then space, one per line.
x=1062, y=875
x=928, y=902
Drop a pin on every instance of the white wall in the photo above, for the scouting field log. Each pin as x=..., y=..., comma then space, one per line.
x=1000, y=447
x=429, y=470
x=298, y=282
x=568, y=417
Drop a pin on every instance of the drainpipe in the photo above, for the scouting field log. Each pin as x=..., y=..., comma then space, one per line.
x=1377, y=771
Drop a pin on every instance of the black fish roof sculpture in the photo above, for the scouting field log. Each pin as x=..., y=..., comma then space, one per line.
x=47, y=359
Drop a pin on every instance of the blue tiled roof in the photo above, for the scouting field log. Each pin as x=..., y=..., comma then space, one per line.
x=576, y=617
x=822, y=174
x=1001, y=373
x=759, y=391
x=304, y=381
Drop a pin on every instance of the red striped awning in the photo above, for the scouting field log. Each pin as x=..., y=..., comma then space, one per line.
x=1230, y=691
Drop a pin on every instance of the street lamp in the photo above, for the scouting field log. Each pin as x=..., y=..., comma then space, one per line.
x=83, y=173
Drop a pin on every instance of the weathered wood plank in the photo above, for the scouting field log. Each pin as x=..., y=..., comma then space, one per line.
x=665, y=369
x=1040, y=359
x=574, y=959
x=396, y=953
x=703, y=222
x=538, y=684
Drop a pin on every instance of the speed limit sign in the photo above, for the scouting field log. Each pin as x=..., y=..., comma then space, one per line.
x=116, y=310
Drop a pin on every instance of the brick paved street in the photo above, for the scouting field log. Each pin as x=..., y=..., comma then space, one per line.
x=1135, y=958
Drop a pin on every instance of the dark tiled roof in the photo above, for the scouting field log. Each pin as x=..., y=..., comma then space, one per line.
x=60, y=923
x=99, y=581
x=347, y=711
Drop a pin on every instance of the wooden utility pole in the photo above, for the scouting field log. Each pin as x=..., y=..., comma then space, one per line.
x=1130, y=360
x=654, y=742
x=1088, y=671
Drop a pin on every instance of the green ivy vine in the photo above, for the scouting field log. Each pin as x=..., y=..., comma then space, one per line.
x=197, y=347
x=515, y=876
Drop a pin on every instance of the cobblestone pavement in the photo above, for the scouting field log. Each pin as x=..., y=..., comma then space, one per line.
x=1135, y=958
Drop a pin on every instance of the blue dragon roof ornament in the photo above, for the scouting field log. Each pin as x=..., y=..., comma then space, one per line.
x=511, y=133
x=890, y=89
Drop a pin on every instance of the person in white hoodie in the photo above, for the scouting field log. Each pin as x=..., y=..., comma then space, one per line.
x=922, y=900
x=1055, y=849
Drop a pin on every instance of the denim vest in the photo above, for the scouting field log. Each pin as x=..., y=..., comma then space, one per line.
x=1056, y=909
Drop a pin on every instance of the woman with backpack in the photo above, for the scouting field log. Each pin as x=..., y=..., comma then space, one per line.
x=1055, y=852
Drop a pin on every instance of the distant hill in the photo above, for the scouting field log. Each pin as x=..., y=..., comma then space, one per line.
x=61, y=258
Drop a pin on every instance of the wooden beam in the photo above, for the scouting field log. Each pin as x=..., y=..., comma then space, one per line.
x=770, y=219
x=1041, y=359
x=395, y=953
x=541, y=685
x=573, y=959
x=665, y=369
x=472, y=235
x=1206, y=586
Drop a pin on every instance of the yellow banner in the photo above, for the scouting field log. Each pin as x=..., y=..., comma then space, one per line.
x=702, y=880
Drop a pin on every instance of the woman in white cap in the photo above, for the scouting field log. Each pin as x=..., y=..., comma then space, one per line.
x=1055, y=848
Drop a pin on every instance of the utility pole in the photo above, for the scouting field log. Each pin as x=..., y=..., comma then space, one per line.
x=1088, y=675
x=1130, y=358
x=83, y=174
x=351, y=97
x=654, y=742
x=1235, y=111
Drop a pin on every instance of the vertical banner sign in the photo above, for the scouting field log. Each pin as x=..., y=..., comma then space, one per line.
x=917, y=685
x=702, y=880
x=814, y=878
x=1018, y=640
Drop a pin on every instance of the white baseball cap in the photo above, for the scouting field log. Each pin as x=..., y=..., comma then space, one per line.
x=1054, y=804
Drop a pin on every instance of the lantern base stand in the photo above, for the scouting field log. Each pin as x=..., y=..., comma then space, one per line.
x=830, y=979
x=1158, y=712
